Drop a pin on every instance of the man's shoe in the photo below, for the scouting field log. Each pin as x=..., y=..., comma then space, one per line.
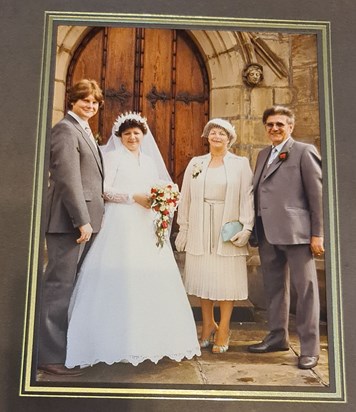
x=264, y=347
x=307, y=362
x=60, y=369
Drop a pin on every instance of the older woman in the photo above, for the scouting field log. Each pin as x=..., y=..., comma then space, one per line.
x=217, y=188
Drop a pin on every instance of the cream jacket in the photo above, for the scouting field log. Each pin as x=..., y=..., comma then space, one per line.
x=238, y=202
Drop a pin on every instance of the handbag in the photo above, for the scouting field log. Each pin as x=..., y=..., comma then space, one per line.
x=229, y=229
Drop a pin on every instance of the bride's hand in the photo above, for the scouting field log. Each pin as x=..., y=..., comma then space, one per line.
x=142, y=199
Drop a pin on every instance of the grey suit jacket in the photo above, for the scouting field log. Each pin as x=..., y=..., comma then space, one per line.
x=290, y=194
x=76, y=180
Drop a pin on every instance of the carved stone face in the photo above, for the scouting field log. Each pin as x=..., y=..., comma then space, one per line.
x=253, y=75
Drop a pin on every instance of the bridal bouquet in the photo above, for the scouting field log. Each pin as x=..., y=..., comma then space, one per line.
x=164, y=201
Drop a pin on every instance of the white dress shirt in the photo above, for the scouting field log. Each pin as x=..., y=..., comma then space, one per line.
x=85, y=126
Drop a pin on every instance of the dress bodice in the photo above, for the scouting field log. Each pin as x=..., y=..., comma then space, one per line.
x=215, y=183
x=125, y=173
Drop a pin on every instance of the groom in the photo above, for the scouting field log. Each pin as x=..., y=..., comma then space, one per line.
x=75, y=210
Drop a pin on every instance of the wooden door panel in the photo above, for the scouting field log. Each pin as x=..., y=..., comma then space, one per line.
x=156, y=88
x=157, y=72
x=84, y=68
x=191, y=112
x=189, y=74
x=189, y=124
x=119, y=76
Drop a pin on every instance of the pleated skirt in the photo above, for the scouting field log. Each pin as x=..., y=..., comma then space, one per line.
x=212, y=276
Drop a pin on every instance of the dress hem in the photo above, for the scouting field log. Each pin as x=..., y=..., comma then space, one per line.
x=216, y=299
x=136, y=362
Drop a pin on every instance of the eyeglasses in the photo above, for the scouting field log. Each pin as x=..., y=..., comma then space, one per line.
x=279, y=125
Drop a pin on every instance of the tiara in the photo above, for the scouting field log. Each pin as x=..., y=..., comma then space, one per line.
x=128, y=116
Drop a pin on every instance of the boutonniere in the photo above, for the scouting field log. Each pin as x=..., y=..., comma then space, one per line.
x=98, y=138
x=197, y=169
x=283, y=156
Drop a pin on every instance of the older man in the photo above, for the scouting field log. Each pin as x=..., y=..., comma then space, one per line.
x=289, y=228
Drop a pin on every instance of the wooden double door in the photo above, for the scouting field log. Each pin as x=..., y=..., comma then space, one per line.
x=157, y=72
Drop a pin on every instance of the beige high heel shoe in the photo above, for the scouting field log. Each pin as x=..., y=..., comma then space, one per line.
x=222, y=348
x=205, y=343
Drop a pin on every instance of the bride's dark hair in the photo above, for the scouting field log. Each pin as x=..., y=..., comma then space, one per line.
x=130, y=123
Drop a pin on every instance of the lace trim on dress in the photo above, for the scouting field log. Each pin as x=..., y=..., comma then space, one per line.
x=112, y=196
x=137, y=359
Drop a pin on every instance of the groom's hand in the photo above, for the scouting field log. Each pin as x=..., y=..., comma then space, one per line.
x=85, y=233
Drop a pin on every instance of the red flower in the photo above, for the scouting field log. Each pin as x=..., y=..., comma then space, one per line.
x=164, y=201
x=283, y=156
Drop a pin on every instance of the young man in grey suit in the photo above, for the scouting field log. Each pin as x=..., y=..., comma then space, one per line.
x=74, y=213
x=289, y=228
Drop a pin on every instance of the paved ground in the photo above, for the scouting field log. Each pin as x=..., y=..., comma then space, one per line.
x=236, y=367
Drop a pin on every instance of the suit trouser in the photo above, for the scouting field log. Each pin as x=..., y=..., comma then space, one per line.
x=64, y=260
x=275, y=262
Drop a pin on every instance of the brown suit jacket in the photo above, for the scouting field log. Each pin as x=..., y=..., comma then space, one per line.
x=76, y=180
x=290, y=194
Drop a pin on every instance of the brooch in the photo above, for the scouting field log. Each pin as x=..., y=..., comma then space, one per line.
x=197, y=169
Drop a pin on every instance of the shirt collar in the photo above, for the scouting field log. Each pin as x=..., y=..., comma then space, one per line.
x=82, y=122
x=280, y=146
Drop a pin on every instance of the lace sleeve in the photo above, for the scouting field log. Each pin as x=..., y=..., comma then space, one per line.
x=111, y=163
x=112, y=196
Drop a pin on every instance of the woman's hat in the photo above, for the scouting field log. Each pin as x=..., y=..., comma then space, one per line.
x=223, y=124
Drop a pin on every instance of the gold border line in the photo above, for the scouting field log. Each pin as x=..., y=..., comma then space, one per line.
x=322, y=28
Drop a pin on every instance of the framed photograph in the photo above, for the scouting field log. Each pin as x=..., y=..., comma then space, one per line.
x=243, y=57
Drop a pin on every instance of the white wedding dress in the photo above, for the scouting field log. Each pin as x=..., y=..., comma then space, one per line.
x=129, y=303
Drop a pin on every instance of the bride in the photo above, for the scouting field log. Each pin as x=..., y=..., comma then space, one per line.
x=129, y=303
